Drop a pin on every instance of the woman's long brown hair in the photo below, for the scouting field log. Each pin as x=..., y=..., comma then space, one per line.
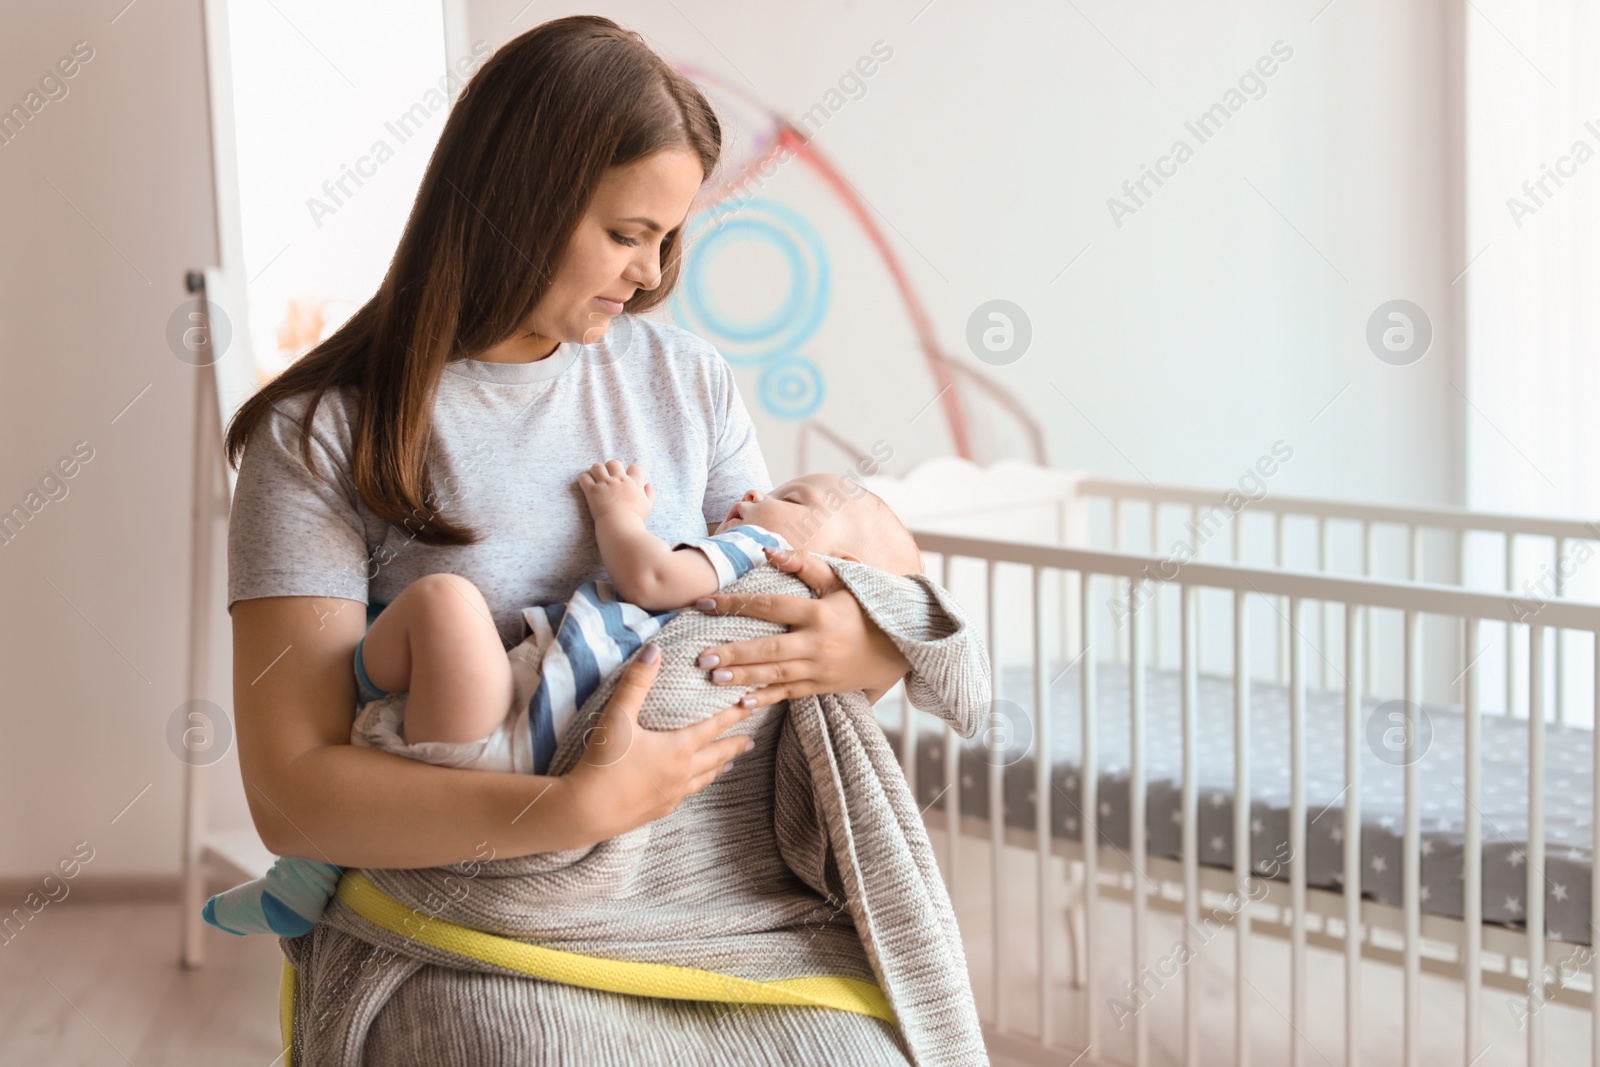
x=522, y=151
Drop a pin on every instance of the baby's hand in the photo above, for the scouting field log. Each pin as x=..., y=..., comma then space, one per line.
x=610, y=487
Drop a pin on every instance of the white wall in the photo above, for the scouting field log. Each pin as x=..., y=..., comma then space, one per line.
x=1208, y=325
x=105, y=201
x=1534, y=313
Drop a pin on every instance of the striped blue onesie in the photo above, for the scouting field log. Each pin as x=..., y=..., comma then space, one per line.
x=573, y=646
x=594, y=633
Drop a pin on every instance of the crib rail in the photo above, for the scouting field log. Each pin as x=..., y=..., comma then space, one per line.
x=1304, y=916
x=1536, y=553
x=1409, y=516
x=1530, y=559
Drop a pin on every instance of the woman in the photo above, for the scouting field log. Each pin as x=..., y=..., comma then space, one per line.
x=442, y=428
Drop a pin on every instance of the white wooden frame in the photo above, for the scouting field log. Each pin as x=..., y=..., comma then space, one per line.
x=1354, y=594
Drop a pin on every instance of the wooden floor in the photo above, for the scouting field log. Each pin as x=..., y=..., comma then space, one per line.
x=91, y=983
x=99, y=984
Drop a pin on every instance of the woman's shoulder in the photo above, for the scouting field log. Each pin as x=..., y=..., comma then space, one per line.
x=335, y=407
x=331, y=424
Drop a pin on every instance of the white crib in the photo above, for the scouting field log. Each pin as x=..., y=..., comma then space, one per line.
x=1014, y=543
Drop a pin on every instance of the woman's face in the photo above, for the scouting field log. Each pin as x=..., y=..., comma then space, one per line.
x=616, y=248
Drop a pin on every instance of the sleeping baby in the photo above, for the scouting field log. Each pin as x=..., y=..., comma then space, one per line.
x=437, y=685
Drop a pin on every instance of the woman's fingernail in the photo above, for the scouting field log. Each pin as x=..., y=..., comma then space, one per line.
x=650, y=653
x=708, y=659
x=726, y=767
x=749, y=743
x=747, y=701
x=705, y=603
x=722, y=674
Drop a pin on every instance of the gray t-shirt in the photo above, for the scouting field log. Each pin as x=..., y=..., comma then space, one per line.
x=512, y=439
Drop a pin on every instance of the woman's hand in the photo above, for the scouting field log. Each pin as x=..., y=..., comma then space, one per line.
x=831, y=647
x=628, y=775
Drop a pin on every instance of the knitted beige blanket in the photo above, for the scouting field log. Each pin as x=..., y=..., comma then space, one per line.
x=808, y=858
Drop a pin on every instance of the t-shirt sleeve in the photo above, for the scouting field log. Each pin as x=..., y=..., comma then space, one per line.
x=736, y=461
x=293, y=531
x=734, y=552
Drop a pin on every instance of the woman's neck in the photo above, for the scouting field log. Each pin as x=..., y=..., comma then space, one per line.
x=523, y=348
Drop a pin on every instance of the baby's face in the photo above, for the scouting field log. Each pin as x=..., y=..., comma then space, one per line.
x=817, y=512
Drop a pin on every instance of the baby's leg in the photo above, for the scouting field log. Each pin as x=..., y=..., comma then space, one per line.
x=438, y=640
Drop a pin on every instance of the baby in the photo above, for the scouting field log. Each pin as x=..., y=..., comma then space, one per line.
x=437, y=685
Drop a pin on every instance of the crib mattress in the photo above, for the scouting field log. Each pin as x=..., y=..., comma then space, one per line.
x=1503, y=803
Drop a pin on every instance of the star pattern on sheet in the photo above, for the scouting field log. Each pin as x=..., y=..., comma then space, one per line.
x=1501, y=803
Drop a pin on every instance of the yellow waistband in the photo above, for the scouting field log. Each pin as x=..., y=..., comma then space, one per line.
x=595, y=972
x=286, y=982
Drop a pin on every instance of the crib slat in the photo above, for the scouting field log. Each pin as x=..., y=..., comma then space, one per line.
x=1188, y=637
x=1353, y=933
x=952, y=786
x=1155, y=593
x=1535, y=909
x=1511, y=647
x=1241, y=828
x=1297, y=834
x=995, y=758
x=1278, y=556
x=1088, y=810
x=1063, y=532
x=1594, y=882
x=1472, y=853
x=1119, y=647
x=1325, y=610
x=1411, y=852
x=1138, y=832
x=1460, y=581
x=1560, y=639
x=1194, y=553
x=1044, y=749
x=1369, y=560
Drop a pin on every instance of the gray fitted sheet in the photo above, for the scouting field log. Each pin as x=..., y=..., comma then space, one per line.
x=1504, y=802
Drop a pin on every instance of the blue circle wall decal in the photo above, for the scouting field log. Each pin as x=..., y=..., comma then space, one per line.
x=751, y=341
x=791, y=387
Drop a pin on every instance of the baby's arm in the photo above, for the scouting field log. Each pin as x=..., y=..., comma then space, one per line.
x=642, y=567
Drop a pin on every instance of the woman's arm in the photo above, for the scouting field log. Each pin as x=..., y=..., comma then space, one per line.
x=313, y=794
x=832, y=645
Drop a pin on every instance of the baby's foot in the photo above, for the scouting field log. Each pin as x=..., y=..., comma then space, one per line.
x=287, y=902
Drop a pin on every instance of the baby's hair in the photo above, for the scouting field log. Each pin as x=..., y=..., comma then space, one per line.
x=894, y=545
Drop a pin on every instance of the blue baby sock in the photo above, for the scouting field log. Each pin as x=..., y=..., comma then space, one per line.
x=287, y=902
